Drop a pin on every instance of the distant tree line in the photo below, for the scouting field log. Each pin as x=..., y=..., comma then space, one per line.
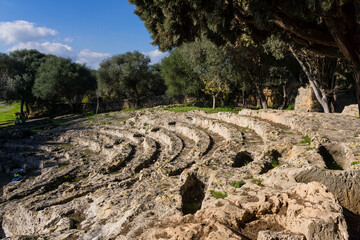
x=209, y=74
x=323, y=36
x=33, y=78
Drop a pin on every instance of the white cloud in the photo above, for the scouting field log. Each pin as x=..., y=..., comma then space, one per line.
x=156, y=55
x=92, y=59
x=58, y=49
x=68, y=40
x=23, y=31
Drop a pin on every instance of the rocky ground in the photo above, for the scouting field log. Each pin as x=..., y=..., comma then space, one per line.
x=156, y=174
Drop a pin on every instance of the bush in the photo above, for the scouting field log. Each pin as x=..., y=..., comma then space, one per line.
x=290, y=107
x=218, y=195
x=237, y=184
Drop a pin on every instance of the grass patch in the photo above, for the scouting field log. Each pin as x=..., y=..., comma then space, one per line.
x=259, y=181
x=92, y=117
x=290, y=107
x=237, y=184
x=207, y=110
x=354, y=163
x=59, y=122
x=218, y=195
x=190, y=208
x=132, y=110
x=306, y=139
x=7, y=114
x=66, y=146
x=274, y=162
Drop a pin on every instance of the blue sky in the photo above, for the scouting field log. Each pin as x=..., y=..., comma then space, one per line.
x=85, y=30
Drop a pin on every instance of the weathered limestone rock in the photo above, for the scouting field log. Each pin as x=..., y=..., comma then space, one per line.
x=306, y=100
x=156, y=174
x=351, y=110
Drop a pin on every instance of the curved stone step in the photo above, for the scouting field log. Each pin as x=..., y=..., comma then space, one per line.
x=228, y=132
x=122, y=133
x=147, y=157
x=201, y=139
x=337, y=132
x=173, y=144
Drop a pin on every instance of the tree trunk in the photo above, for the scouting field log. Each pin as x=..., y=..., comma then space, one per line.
x=243, y=96
x=320, y=93
x=214, y=101
x=261, y=97
x=97, y=104
x=285, y=98
x=349, y=48
x=22, y=107
x=27, y=108
x=137, y=100
x=357, y=84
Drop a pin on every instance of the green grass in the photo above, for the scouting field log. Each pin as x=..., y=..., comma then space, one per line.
x=259, y=181
x=237, y=184
x=207, y=110
x=354, y=163
x=190, y=208
x=274, y=162
x=290, y=107
x=306, y=139
x=218, y=195
x=7, y=114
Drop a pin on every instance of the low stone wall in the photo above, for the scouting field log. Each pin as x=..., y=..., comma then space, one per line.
x=106, y=106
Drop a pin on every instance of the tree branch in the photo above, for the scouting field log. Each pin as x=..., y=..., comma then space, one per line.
x=304, y=32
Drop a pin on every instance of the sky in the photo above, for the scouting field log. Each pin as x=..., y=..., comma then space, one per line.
x=87, y=31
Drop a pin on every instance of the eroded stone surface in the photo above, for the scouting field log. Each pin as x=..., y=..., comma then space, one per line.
x=155, y=174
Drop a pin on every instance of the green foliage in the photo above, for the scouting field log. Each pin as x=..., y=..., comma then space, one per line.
x=354, y=163
x=218, y=195
x=179, y=78
x=290, y=107
x=190, y=208
x=274, y=162
x=306, y=139
x=24, y=69
x=59, y=78
x=210, y=63
x=259, y=181
x=237, y=184
x=129, y=75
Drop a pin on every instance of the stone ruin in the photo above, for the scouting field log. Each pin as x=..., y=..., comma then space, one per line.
x=156, y=174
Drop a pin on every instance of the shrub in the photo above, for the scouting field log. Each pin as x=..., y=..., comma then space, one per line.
x=237, y=184
x=290, y=107
x=218, y=195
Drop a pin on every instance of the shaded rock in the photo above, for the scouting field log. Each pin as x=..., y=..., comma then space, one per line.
x=351, y=110
x=306, y=100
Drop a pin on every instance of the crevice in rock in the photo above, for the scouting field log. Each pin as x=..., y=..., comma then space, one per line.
x=272, y=160
x=76, y=218
x=353, y=223
x=242, y=159
x=346, y=188
x=192, y=194
x=178, y=171
x=150, y=161
x=156, y=129
x=2, y=233
x=329, y=159
x=211, y=146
